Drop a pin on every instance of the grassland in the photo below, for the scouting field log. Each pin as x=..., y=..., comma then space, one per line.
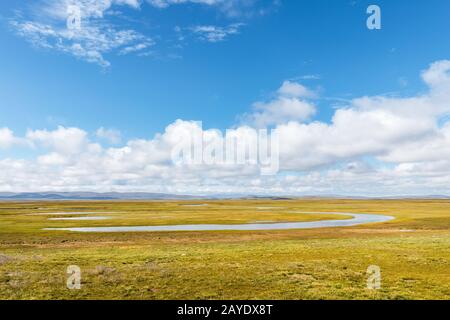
x=413, y=252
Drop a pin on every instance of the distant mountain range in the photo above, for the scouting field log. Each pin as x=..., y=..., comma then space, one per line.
x=166, y=196
x=92, y=196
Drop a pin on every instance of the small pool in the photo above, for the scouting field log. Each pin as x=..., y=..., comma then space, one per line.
x=67, y=213
x=357, y=219
x=80, y=218
x=195, y=205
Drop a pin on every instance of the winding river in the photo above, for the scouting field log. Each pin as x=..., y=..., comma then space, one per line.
x=357, y=219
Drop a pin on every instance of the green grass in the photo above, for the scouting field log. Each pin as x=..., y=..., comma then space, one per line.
x=413, y=252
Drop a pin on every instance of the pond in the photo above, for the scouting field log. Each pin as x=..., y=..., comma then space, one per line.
x=357, y=219
x=80, y=218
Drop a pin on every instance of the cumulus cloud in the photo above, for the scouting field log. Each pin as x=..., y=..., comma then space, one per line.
x=290, y=104
x=390, y=129
x=62, y=140
x=7, y=138
x=295, y=90
x=374, y=146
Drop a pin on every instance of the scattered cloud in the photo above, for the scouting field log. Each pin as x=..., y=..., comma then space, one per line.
x=390, y=129
x=215, y=33
x=166, y=3
x=90, y=29
x=136, y=48
x=375, y=145
x=231, y=8
x=89, y=40
x=309, y=77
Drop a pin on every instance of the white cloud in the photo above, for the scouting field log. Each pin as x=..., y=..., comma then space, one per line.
x=310, y=77
x=62, y=140
x=52, y=159
x=136, y=48
x=111, y=135
x=95, y=37
x=295, y=90
x=132, y=3
x=375, y=146
x=216, y=33
x=289, y=105
x=89, y=8
x=99, y=35
x=7, y=138
x=166, y=3
x=231, y=8
x=390, y=129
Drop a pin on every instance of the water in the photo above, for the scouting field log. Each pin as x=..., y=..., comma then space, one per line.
x=357, y=219
x=79, y=218
x=195, y=205
x=67, y=213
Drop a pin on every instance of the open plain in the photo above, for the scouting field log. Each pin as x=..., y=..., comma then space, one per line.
x=412, y=250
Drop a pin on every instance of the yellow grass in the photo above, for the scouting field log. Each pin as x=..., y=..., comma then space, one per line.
x=413, y=251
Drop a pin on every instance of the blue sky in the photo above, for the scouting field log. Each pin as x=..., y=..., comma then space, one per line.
x=212, y=63
x=214, y=82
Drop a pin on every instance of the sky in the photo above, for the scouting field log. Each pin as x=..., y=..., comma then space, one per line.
x=100, y=105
